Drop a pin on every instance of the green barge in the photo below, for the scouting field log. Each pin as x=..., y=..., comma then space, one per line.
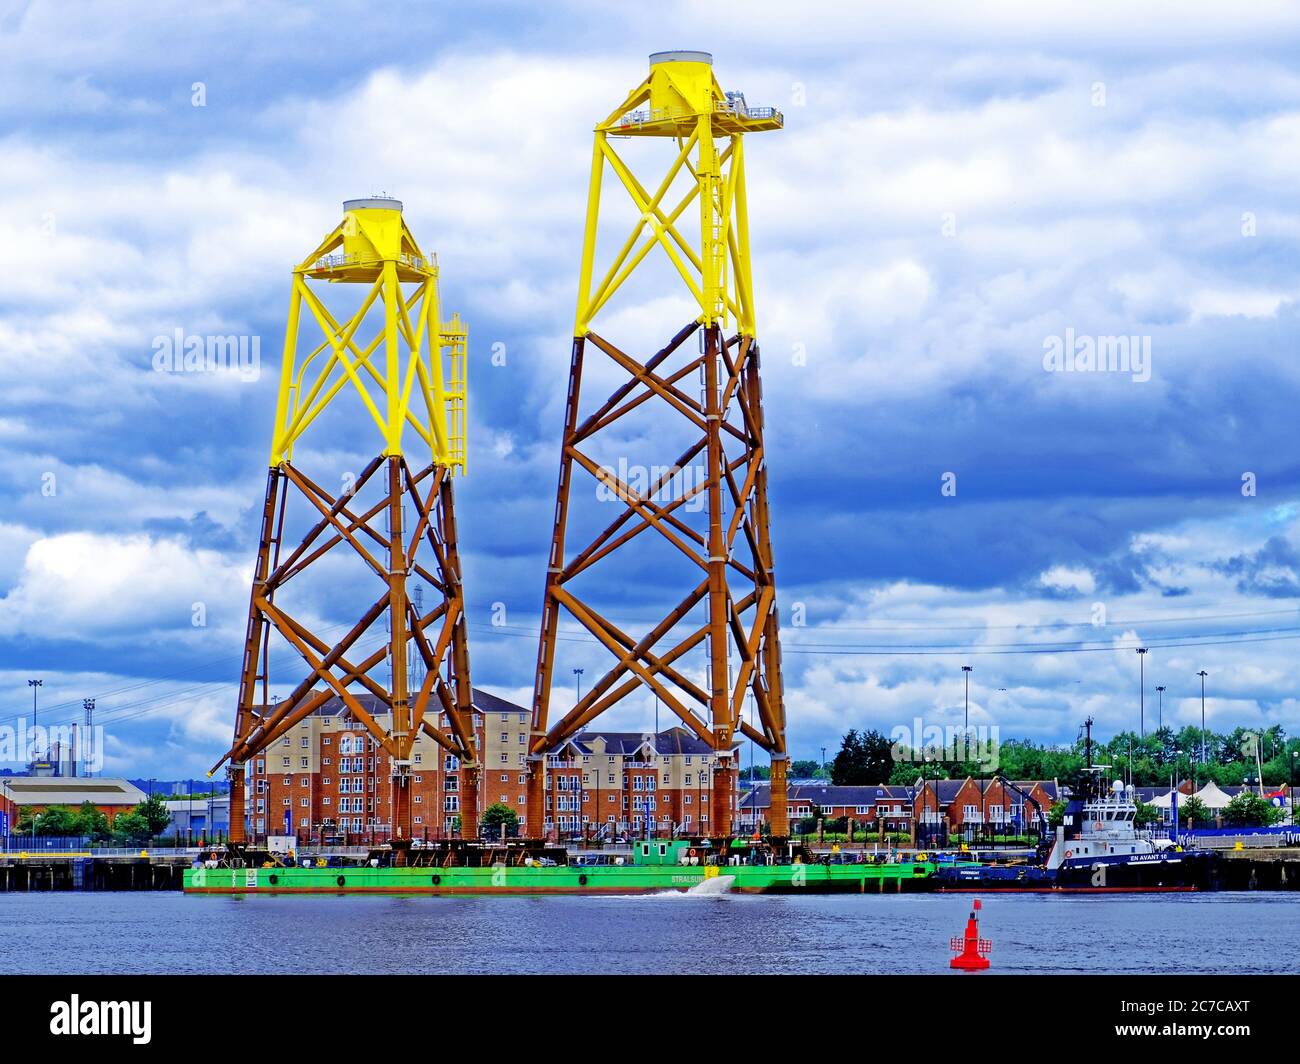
x=652, y=867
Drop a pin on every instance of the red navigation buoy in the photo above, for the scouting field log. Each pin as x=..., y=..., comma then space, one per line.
x=972, y=951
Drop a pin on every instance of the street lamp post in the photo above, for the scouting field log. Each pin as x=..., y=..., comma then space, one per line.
x=88, y=706
x=578, y=674
x=1160, y=708
x=1291, y=782
x=966, y=671
x=1202, y=674
x=1142, y=692
x=34, y=684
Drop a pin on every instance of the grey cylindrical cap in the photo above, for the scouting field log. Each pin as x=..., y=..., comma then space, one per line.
x=374, y=203
x=681, y=57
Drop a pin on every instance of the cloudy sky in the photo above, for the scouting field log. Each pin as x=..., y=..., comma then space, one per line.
x=956, y=191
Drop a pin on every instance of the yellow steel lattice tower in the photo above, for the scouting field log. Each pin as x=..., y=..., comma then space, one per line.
x=410, y=378
x=731, y=611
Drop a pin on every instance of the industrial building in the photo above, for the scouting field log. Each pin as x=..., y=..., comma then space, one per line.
x=35, y=794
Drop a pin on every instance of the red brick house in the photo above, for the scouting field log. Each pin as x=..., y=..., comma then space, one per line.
x=866, y=806
x=982, y=805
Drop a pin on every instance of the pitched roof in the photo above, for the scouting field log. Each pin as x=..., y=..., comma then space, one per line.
x=486, y=702
x=483, y=702
x=69, y=790
x=827, y=794
x=668, y=742
x=1212, y=796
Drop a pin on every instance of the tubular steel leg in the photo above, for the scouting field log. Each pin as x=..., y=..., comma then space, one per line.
x=535, y=820
x=719, y=680
x=779, y=812
x=238, y=836
x=469, y=811
x=732, y=621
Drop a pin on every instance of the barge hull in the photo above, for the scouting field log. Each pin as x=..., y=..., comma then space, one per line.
x=598, y=879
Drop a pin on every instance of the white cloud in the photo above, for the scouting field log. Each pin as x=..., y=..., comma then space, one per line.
x=83, y=585
x=1064, y=578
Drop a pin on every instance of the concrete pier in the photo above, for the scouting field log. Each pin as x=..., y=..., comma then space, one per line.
x=142, y=870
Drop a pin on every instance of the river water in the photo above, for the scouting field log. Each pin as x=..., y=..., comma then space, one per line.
x=668, y=933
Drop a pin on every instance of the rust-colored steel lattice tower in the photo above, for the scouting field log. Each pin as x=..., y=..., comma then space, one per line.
x=410, y=378
x=720, y=642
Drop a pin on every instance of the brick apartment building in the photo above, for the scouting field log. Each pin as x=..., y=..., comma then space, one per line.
x=611, y=783
x=936, y=807
x=327, y=779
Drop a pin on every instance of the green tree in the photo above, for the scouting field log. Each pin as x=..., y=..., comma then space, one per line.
x=498, y=814
x=808, y=825
x=57, y=820
x=1194, y=810
x=1056, y=815
x=1146, y=814
x=131, y=828
x=802, y=770
x=92, y=823
x=153, y=810
x=1250, y=810
x=864, y=758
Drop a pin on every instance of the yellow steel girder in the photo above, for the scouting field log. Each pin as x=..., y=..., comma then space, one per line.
x=416, y=362
x=685, y=103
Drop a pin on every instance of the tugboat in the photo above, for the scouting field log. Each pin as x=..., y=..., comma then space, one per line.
x=1107, y=853
x=1097, y=849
